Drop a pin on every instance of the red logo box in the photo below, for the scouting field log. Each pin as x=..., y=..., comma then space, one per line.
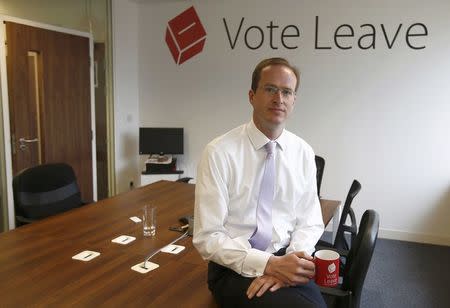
x=185, y=36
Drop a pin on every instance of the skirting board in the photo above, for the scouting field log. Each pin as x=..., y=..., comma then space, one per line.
x=414, y=237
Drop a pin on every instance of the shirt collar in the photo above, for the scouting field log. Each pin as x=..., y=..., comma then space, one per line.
x=258, y=139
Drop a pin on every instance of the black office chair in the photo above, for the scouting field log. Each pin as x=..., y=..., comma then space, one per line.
x=45, y=190
x=320, y=166
x=348, y=294
x=340, y=242
x=184, y=180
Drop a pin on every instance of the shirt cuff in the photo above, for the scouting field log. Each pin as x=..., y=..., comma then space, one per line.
x=255, y=263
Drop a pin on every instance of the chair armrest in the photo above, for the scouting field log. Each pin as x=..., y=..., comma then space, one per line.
x=323, y=245
x=351, y=229
x=335, y=291
x=342, y=252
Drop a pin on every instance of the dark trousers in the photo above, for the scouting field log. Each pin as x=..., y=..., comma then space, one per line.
x=229, y=290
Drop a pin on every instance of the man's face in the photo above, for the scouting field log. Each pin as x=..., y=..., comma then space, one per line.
x=270, y=110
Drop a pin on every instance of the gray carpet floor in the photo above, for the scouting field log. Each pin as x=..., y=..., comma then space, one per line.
x=406, y=274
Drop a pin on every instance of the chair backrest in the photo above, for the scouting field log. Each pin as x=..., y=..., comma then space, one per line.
x=320, y=166
x=360, y=256
x=45, y=190
x=340, y=242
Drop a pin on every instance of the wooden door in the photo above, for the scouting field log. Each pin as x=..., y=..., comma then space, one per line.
x=100, y=121
x=49, y=100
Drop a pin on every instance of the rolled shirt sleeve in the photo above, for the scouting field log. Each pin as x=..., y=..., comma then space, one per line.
x=211, y=238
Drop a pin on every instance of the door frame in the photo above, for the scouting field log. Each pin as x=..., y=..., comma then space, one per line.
x=5, y=106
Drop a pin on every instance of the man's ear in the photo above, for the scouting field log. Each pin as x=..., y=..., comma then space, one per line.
x=251, y=94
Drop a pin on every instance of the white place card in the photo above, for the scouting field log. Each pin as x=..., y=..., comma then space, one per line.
x=174, y=249
x=149, y=266
x=123, y=239
x=136, y=219
x=86, y=255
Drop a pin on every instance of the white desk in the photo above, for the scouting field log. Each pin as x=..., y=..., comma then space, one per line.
x=155, y=177
x=336, y=219
x=331, y=211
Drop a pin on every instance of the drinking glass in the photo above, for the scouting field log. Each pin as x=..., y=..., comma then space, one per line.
x=149, y=220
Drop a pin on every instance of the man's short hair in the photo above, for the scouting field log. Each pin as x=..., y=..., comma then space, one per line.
x=256, y=76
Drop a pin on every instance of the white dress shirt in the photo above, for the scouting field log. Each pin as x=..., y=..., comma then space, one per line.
x=226, y=194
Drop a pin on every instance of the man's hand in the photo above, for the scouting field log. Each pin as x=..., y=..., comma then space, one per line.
x=261, y=284
x=291, y=269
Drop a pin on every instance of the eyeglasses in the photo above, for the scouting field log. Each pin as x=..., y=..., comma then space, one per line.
x=285, y=93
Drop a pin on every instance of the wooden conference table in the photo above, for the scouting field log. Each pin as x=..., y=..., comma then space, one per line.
x=37, y=269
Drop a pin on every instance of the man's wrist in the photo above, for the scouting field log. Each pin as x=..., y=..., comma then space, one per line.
x=269, y=266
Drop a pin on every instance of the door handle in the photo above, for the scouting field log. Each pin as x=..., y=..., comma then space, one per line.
x=23, y=142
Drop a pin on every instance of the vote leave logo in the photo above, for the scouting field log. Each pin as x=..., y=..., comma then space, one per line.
x=185, y=36
x=331, y=268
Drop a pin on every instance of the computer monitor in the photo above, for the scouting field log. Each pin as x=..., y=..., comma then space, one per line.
x=159, y=140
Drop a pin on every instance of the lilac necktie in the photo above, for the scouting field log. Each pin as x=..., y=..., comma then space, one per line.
x=262, y=236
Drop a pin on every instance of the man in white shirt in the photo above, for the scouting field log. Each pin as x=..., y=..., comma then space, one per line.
x=227, y=196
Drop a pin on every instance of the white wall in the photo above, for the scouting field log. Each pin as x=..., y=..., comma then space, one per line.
x=126, y=91
x=379, y=115
x=86, y=16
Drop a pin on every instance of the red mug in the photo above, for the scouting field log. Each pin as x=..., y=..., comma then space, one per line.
x=327, y=268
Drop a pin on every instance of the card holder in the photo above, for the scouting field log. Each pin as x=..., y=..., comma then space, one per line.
x=149, y=266
x=173, y=249
x=123, y=239
x=86, y=255
x=136, y=219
